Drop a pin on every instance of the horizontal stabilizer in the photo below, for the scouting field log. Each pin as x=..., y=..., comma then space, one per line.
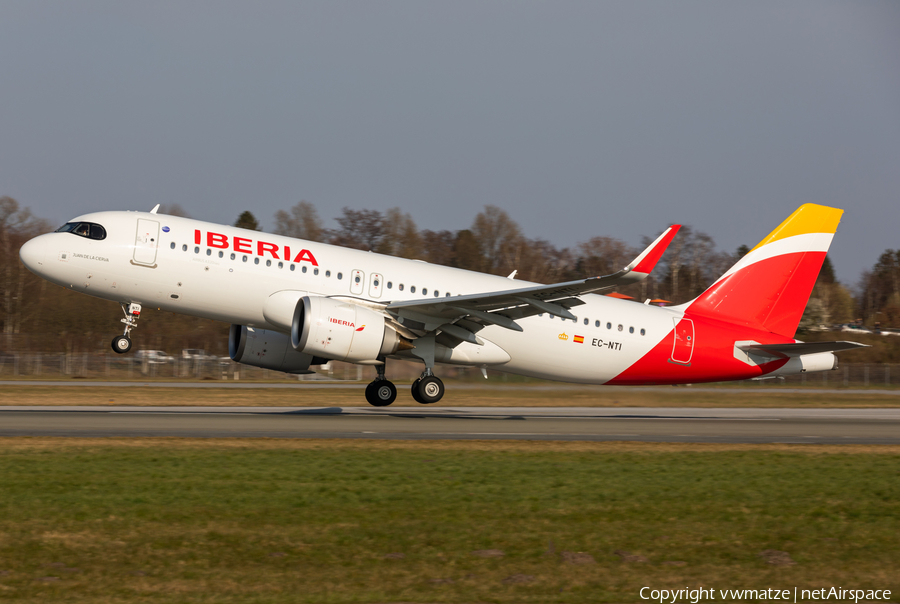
x=796, y=349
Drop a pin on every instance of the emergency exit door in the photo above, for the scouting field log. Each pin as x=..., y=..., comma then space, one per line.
x=683, y=347
x=146, y=242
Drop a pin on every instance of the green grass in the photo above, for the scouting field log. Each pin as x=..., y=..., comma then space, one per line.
x=294, y=521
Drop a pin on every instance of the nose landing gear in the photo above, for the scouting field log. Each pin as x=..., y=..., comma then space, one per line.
x=122, y=344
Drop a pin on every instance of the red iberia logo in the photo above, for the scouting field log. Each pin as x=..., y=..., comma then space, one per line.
x=342, y=322
x=360, y=328
x=579, y=339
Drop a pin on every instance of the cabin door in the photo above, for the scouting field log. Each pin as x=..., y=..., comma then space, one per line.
x=683, y=346
x=146, y=242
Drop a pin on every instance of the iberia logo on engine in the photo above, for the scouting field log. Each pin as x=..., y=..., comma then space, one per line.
x=341, y=322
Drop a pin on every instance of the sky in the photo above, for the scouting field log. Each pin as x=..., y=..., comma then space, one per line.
x=580, y=119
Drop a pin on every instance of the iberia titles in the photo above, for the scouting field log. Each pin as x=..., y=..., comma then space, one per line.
x=245, y=245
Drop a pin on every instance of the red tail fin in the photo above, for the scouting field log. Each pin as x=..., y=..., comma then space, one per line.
x=770, y=286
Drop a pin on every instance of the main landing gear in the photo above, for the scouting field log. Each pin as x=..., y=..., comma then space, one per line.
x=122, y=344
x=426, y=390
x=381, y=392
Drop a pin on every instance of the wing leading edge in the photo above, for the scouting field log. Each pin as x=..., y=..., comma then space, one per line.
x=461, y=316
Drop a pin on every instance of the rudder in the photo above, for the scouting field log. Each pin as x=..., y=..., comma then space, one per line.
x=770, y=286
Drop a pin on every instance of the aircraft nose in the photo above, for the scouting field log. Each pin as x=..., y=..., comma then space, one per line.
x=32, y=254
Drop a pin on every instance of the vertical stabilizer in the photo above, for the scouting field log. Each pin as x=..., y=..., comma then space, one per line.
x=770, y=286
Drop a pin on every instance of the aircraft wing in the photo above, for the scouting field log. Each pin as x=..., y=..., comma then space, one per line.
x=795, y=349
x=461, y=316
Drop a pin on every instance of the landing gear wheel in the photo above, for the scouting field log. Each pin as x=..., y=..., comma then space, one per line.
x=429, y=389
x=381, y=393
x=121, y=344
x=414, y=390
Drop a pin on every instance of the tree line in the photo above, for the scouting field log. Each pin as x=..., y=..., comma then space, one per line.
x=37, y=315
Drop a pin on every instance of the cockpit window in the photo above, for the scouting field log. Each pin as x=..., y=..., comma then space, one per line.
x=89, y=230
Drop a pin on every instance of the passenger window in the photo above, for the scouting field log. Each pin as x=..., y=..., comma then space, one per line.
x=357, y=279
x=412, y=289
x=424, y=291
x=303, y=269
x=609, y=326
x=208, y=252
x=631, y=330
x=184, y=248
x=447, y=295
x=256, y=261
x=341, y=276
x=196, y=250
x=586, y=321
x=245, y=259
x=596, y=323
x=437, y=294
x=400, y=287
x=281, y=265
x=643, y=331
x=221, y=254
x=375, y=282
x=390, y=285
x=172, y=245
x=316, y=271
x=268, y=263
x=292, y=267
x=233, y=256
x=327, y=273
x=620, y=327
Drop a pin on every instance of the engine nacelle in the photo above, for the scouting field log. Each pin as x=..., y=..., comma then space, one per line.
x=342, y=331
x=267, y=349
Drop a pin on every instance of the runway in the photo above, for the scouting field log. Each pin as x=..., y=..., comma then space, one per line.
x=695, y=425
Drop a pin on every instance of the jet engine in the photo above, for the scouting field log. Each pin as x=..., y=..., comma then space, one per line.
x=343, y=331
x=268, y=349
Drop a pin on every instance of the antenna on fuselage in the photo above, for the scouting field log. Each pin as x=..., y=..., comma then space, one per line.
x=155, y=208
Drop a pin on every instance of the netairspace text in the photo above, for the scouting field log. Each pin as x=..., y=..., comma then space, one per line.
x=671, y=596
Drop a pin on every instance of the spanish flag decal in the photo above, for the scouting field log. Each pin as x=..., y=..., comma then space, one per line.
x=579, y=339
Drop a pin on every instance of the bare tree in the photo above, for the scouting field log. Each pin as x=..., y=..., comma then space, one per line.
x=499, y=238
x=302, y=222
x=359, y=229
x=17, y=225
x=400, y=236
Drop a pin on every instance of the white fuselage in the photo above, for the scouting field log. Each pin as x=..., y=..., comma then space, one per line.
x=230, y=275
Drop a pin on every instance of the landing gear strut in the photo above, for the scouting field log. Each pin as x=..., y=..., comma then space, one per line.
x=381, y=392
x=122, y=344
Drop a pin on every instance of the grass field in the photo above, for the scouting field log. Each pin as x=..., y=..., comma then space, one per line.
x=498, y=396
x=171, y=520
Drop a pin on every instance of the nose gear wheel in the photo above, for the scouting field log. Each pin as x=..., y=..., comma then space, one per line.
x=121, y=344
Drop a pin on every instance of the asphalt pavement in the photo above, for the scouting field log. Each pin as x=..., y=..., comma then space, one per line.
x=695, y=425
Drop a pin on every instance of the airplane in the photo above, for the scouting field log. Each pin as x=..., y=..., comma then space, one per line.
x=294, y=303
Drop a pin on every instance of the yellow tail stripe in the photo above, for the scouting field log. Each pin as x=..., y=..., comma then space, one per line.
x=809, y=218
